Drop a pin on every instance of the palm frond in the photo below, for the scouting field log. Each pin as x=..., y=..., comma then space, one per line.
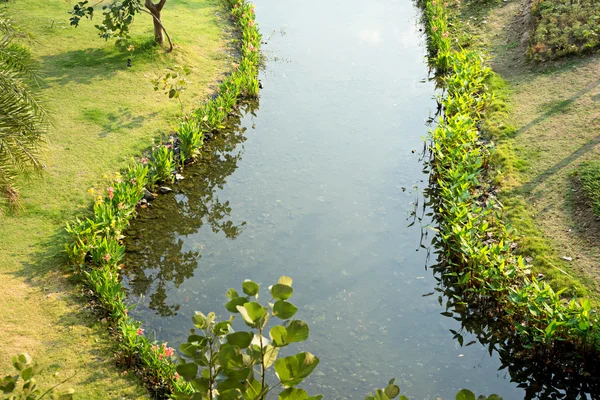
x=23, y=118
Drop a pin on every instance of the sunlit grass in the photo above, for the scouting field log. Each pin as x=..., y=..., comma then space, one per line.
x=104, y=113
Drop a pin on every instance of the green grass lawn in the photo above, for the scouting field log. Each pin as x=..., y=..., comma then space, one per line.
x=104, y=113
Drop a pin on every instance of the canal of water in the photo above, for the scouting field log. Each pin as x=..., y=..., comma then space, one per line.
x=318, y=182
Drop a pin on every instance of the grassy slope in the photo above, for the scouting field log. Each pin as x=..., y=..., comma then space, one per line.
x=550, y=130
x=104, y=113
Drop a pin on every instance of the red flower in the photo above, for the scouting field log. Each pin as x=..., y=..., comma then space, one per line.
x=111, y=192
x=140, y=332
x=176, y=376
x=144, y=160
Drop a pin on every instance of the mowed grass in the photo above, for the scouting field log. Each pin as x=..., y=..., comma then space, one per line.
x=104, y=113
x=548, y=128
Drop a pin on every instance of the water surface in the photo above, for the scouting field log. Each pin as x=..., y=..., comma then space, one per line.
x=318, y=183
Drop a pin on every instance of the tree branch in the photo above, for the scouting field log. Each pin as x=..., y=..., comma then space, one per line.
x=160, y=5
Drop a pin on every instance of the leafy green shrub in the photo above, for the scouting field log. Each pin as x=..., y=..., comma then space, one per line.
x=221, y=364
x=476, y=242
x=589, y=176
x=563, y=27
x=162, y=164
x=27, y=369
x=191, y=140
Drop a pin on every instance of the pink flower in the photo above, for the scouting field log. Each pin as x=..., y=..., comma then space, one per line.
x=251, y=47
x=139, y=332
x=176, y=376
x=120, y=206
x=111, y=192
x=106, y=257
x=252, y=10
x=169, y=351
x=251, y=22
x=144, y=160
x=132, y=181
x=154, y=348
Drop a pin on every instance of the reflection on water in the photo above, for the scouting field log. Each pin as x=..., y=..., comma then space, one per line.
x=557, y=372
x=322, y=193
x=156, y=258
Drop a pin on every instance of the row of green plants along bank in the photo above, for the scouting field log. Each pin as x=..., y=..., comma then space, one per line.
x=477, y=245
x=96, y=250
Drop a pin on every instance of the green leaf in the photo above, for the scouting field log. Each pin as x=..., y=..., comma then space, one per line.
x=232, y=294
x=281, y=292
x=200, y=385
x=380, y=395
x=230, y=384
x=221, y=328
x=270, y=356
x=188, y=349
x=465, y=394
x=297, y=331
x=293, y=394
x=240, y=339
x=391, y=391
x=278, y=335
x=254, y=389
x=250, y=288
x=292, y=370
x=285, y=280
x=188, y=371
x=494, y=397
x=231, y=357
x=231, y=306
x=231, y=394
x=284, y=310
x=199, y=320
x=252, y=312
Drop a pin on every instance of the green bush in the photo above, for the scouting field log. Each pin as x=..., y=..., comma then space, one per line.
x=563, y=27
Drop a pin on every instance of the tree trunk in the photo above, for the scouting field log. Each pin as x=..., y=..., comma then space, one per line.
x=155, y=10
x=158, y=29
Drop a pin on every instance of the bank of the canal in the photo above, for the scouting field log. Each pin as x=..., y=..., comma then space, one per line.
x=320, y=189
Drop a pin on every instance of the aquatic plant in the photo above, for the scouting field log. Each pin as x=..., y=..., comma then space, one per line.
x=191, y=140
x=96, y=250
x=477, y=244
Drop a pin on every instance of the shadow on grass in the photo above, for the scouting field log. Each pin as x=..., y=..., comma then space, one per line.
x=557, y=107
x=115, y=122
x=82, y=66
x=543, y=176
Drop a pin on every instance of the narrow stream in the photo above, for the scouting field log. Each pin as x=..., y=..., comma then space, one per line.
x=318, y=182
